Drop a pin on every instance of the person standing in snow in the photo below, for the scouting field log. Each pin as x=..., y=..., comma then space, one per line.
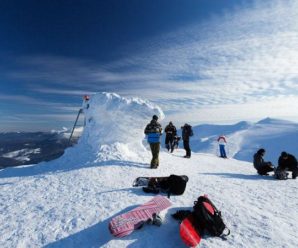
x=222, y=141
x=260, y=165
x=186, y=134
x=288, y=162
x=153, y=131
x=171, y=132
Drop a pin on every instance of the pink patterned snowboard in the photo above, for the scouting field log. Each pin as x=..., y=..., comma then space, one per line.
x=126, y=223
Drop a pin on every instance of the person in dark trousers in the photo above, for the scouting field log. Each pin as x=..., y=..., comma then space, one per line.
x=171, y=132
x=186, y=133
x=222, y=141
x=288, y=162
x=153, y=131
x=260, y=165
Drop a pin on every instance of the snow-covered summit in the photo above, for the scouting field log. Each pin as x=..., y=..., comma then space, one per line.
x=69, y=202
x=114, y=128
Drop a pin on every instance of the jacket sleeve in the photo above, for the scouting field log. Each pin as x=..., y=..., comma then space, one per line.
x=166, y=129
x=146, y=130
x=279, y=161
x=258, y=161
x=160, y=129
x=295, y=161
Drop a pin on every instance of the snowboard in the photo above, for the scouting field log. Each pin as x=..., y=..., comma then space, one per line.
x=124, y=224
x=189, y=235
x=151, y=181
x=148, y=181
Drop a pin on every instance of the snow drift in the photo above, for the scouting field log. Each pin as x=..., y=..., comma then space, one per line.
x=114, y=128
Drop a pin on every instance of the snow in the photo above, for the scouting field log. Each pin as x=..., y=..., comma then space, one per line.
x=244, y=138
x=69, y=202
x=22, y=154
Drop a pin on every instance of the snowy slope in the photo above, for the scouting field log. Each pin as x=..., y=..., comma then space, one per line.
x=244, y=138
x=69, y=202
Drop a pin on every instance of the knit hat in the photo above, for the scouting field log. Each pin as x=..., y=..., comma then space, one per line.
x=283, y=154
x=261, y=151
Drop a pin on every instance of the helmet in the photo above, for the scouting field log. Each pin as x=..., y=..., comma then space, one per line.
x=155, y=117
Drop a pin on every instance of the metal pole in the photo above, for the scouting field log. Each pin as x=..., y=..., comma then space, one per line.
x=80, y=111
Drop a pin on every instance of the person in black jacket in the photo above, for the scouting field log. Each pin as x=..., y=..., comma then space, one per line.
x=153, y=131
x=263, y=167
x=171, y=132
x=186, y=133
x=288, y=162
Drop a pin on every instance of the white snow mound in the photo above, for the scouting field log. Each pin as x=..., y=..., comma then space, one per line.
x=114, y=128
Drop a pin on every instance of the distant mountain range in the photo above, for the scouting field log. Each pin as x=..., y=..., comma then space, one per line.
x=244, y=139
x=20, y=148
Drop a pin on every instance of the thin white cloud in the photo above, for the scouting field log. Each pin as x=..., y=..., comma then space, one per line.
x=245, y=57
x=25, y=100
x=242, y=58
x=48, y=106
x=55, y=91
x=39, y=118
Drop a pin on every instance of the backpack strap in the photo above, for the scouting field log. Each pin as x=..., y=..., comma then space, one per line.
x=226, y=234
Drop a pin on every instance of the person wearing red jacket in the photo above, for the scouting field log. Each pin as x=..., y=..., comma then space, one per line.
x=222, y=143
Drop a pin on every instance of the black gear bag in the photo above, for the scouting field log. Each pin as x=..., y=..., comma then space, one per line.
x=207, y=217
x=174, y=185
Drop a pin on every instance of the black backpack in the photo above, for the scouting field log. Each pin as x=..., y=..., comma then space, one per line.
x=281, y=174
x=207, y=217
x=176, y=185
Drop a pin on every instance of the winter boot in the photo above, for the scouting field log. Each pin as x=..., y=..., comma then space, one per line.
x=157, y=221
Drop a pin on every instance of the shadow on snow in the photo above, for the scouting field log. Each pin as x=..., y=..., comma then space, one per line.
x=49, y=168
x=241, y=176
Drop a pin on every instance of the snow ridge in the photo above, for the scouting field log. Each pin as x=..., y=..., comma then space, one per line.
x=114, y=128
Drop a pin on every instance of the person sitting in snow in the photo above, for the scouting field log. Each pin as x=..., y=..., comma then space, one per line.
x=222, y=141
x=260, y=165
x=288, y=162
x=171, y=132
x=153, y=131
x=186, y=133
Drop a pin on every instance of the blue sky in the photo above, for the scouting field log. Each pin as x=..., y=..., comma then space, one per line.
x=203, y=61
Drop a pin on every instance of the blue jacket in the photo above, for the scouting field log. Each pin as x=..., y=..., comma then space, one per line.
x=153, y=137
x=153, y=132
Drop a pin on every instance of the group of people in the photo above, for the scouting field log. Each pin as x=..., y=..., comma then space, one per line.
x=154, y=131
x=286, y=162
